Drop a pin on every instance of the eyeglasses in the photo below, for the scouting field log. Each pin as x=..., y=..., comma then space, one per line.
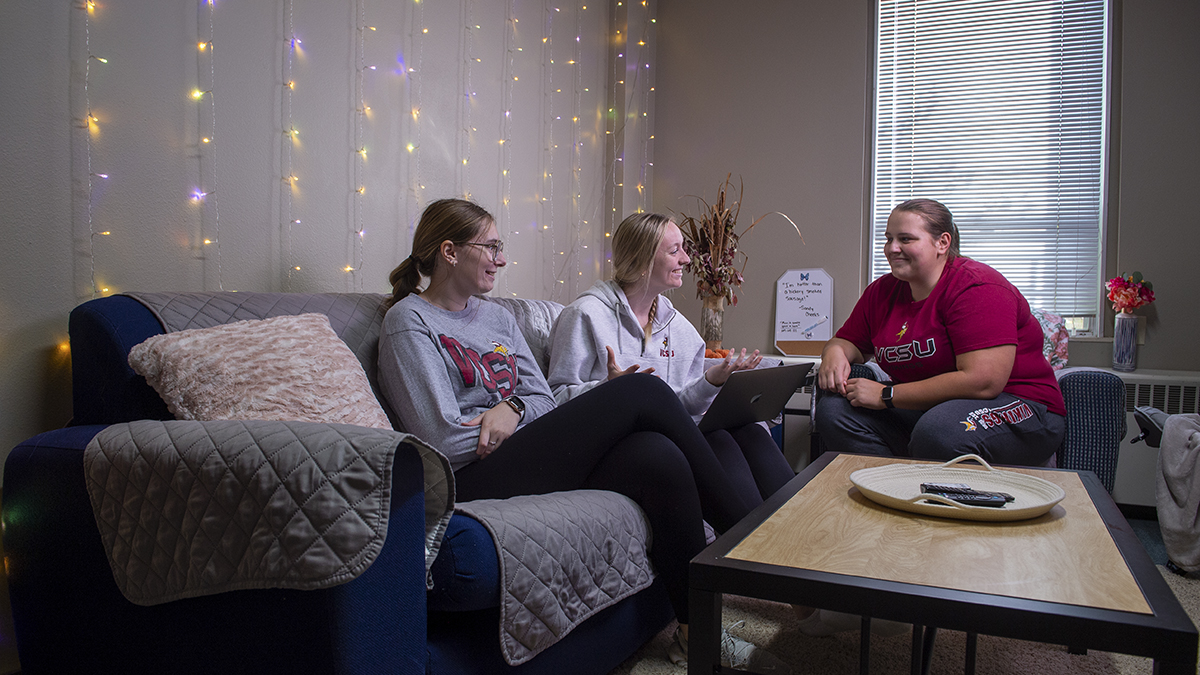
x=495, y=248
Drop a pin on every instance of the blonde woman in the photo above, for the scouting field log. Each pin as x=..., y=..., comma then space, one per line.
x=626, y=325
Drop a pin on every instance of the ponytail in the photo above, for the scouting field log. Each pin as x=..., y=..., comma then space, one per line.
x=405, y=280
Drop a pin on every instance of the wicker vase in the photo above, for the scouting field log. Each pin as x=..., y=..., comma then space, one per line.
x=712, y=318
x=1125, y=342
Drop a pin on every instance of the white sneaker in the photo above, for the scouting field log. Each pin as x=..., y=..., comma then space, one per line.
x=677, y=650
x=735, y=653
x=824, y=622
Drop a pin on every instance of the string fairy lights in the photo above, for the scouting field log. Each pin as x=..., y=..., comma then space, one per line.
x=559, y=169
x=506, y=99
x=581, y=225
x=417, y=35
x=206, y=194
x=547, y=198
x=90, y=124
x=466, y=130
x=614, y=151
x=361, y=109
x=290, y=139
x=642, y=78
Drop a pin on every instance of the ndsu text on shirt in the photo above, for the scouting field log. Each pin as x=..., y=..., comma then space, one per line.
x=495, y=370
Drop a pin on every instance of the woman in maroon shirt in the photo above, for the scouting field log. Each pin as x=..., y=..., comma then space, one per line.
x=961, y=349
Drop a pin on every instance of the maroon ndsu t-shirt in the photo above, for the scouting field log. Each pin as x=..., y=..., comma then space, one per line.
x=972, y=307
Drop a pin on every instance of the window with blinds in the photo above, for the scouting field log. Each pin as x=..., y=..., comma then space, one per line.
x=996, y=108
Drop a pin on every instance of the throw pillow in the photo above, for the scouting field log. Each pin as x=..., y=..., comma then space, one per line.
x=1054, y=337
x=282, y=368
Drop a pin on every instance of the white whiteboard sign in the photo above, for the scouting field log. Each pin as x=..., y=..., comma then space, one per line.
x=804, y=306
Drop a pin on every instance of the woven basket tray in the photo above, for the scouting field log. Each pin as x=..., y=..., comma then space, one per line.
x=899, y=486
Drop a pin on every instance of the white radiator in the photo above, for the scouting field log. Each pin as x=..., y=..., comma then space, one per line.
x=1171, y=391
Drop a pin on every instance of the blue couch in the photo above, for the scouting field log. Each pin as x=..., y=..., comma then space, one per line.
x=70, y=616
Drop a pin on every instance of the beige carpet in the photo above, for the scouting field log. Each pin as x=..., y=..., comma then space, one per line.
x=771, y=625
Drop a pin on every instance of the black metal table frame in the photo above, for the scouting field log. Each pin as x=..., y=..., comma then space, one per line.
x=1168, y=635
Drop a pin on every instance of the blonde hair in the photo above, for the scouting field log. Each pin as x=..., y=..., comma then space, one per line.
x=456, y=220
x=635, y=244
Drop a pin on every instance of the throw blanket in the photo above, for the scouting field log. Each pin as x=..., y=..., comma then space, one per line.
x=191, y=508
x=563, y=557
x=1178, y=490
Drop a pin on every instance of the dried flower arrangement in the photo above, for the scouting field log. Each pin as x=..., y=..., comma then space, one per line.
x=1127, y=293
x=711, y=241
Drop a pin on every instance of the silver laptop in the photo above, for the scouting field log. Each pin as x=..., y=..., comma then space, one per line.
x=750, y=396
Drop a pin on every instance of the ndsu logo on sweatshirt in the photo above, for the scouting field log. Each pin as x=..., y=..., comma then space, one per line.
x=496, y=370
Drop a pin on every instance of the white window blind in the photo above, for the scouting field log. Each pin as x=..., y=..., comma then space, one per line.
x=996, y=109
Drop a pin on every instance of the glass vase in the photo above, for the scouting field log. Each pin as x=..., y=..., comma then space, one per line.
x=1125, y=342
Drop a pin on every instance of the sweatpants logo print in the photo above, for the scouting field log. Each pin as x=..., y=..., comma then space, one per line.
x=496, y=370
x=986, y=418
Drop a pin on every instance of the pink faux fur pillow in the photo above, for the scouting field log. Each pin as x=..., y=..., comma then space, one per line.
x=283, y=368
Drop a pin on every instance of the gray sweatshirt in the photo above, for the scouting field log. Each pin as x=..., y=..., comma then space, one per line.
x=602, y=317
x=439, y=369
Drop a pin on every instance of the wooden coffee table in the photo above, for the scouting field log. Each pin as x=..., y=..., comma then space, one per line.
x=1076, y=576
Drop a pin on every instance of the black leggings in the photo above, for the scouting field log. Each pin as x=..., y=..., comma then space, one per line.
x=753, y=462
x=631, y=436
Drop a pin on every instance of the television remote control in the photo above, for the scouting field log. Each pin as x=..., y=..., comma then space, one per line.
x=961, y=488
x=971, y=499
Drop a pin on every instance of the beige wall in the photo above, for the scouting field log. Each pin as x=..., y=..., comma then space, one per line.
x=778, y=92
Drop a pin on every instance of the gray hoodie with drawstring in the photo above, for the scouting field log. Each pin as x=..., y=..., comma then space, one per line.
x=601, y=317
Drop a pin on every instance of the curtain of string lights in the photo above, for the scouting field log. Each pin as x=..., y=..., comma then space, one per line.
x=540, y=111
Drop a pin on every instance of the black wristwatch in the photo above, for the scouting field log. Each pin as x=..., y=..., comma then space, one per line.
x=517, y=404
x=886, y=396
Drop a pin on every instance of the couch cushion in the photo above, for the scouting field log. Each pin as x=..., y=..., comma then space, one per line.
x=282, y=368
x=1054, y=337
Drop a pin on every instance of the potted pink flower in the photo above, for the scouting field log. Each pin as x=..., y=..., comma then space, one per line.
x=1127, y=293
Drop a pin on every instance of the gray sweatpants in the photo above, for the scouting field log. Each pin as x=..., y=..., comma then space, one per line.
x=1003, y=430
